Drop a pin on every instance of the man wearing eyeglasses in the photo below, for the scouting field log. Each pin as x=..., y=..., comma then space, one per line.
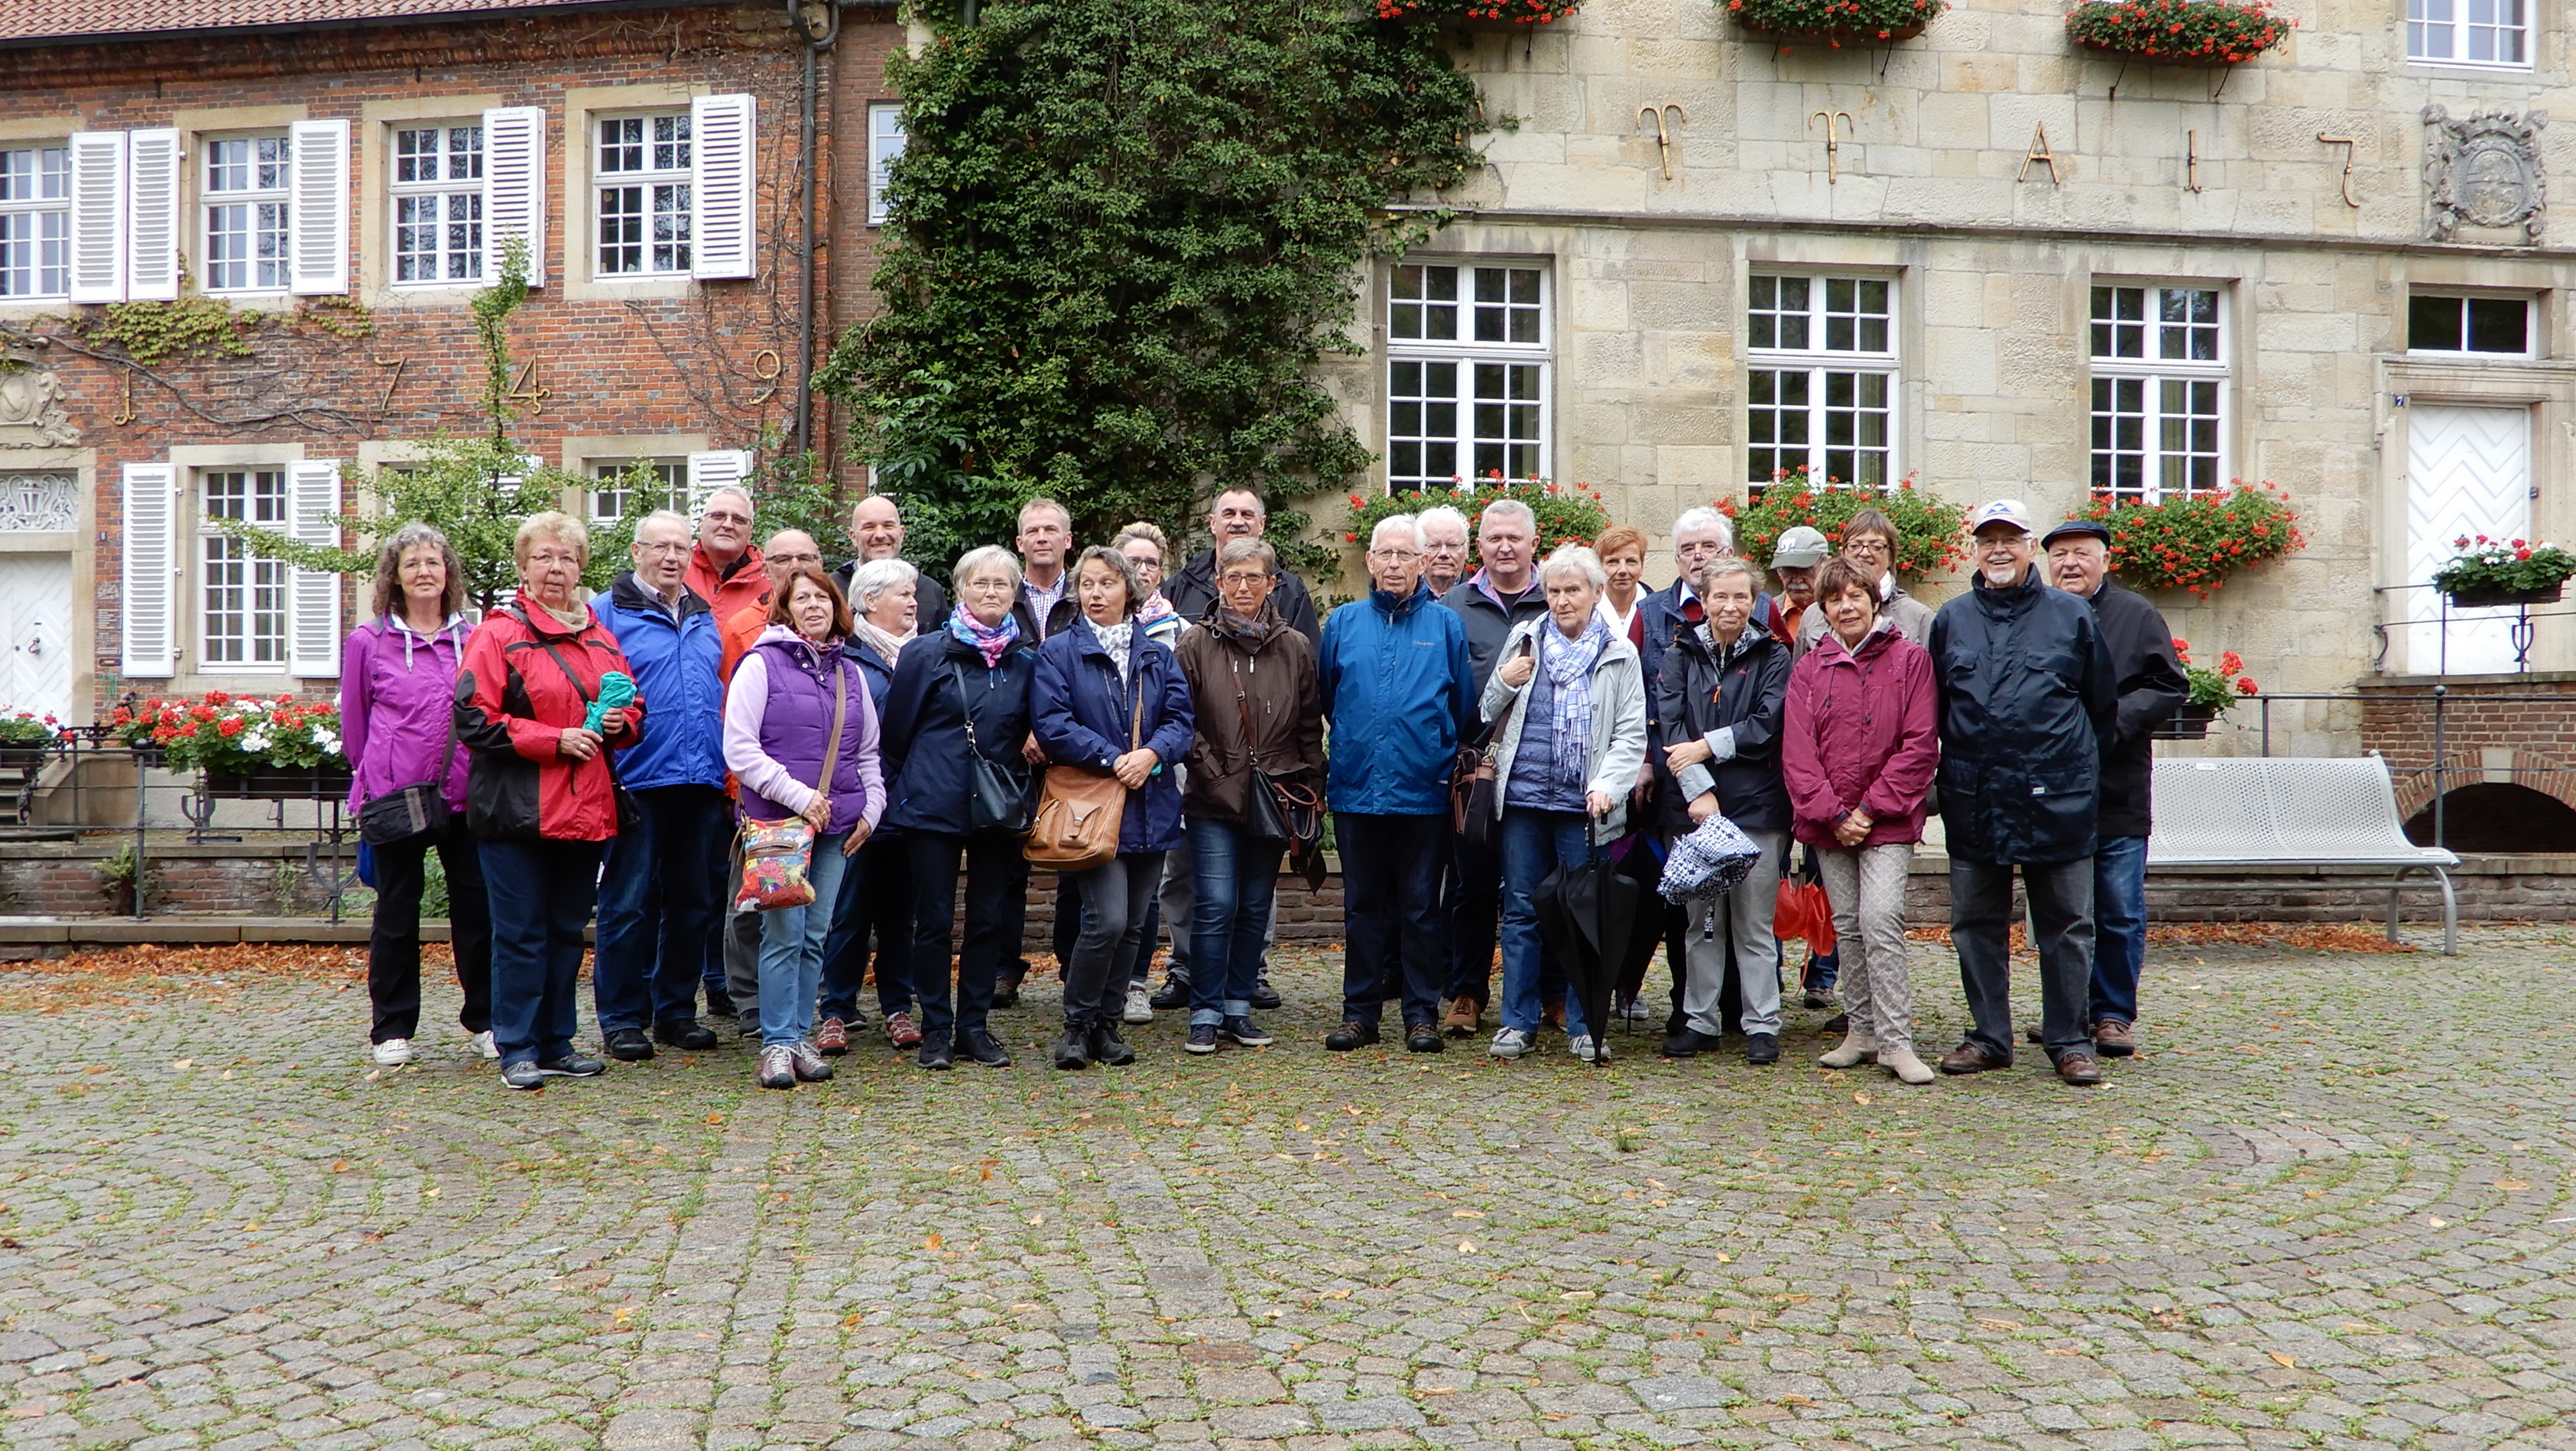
x=725, y=569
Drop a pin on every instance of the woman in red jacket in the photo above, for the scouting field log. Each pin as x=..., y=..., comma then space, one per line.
x=541, y=794
x=1858, y=746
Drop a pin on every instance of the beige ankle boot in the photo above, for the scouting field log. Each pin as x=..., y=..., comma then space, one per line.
x=1906, y=1067
x=1857, y=1049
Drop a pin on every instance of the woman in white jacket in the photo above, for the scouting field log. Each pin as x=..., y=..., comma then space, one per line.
x=1570, y=703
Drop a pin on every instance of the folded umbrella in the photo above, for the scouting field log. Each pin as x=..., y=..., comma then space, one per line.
x=1709, y=862
x=1586, y=912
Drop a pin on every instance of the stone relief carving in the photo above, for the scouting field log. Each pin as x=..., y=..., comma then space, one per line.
x=42, y=502
x=31, y=398
x=2484, y=170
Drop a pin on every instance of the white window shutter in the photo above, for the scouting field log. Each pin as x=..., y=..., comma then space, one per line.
x=151, y=635
x=721, y=187
x=514, y=187
x=313, y=595
x=98, y=216
x=153, y=161
x=708, y=472
x=318, y=207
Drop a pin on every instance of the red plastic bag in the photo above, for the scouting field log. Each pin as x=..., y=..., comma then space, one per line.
x=1803, y=911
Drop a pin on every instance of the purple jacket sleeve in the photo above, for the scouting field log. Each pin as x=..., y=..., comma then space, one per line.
x=354, y=653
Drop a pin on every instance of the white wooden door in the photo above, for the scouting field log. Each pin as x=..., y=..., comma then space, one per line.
x=36, y=633
x=2468, y=472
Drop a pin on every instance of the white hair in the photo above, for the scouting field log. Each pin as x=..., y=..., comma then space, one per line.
x=1509, y=509
x=1410, y=524
x=877, y=576
x=1575, y=559
x=1442, y=514
x=1700, y=520
x=973, y=561
x=663, y=516
x=719, y=492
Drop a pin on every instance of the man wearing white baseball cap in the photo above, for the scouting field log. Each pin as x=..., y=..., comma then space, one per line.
x=2027, y=703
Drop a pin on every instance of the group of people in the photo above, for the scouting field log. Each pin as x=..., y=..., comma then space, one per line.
x=911, y=733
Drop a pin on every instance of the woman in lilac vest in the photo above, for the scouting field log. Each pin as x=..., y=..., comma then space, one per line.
x=778, y=724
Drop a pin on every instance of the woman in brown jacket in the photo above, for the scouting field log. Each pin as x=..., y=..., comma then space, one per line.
x=1252, y=678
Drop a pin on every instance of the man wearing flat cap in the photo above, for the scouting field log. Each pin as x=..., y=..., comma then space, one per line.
x=2151, y=688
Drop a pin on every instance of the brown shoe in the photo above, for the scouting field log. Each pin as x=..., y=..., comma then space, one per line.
x=901, y=1032
x=1460, y=1020
x=1554, y=1013
x=1969, y=1058
x=2079, y=1069
x=2114, y=1039
x=833, y=1038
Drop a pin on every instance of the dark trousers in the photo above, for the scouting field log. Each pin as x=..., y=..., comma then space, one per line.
x=542, y=893
x=2061, y=907
x=1236, y=878
x=657, y=900
x=1391, y=906
x=1116, y=897
x=1473, y=904
x=876, y=903
x=393, y=942
x=995, y=873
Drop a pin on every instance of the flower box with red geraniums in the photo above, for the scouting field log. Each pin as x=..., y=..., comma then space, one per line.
x=1927, y=528
x=1861, y=22
x=226, y=735
x=2213, y=692
x=2194, y=541
x=25, y=737
x=1566, y=513
x=2492, y=572
x=1480, y=13
x=2178, y=32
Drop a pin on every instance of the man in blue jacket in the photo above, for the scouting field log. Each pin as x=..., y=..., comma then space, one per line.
x=661, y=882
x=1396, y=685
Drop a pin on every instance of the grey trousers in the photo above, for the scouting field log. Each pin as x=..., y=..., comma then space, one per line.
x=1743, y=917
x=1180, y=901
x=742, y=964
x=2061, y=909
x=1867, y=888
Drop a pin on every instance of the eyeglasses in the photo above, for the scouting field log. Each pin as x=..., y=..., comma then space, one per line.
x=795, y=560
x=1245, y=577
x=681, y=547
x=548, y=556
x=1395, y=556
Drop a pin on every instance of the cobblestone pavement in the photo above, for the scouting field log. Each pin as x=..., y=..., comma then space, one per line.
x=2329, y=1207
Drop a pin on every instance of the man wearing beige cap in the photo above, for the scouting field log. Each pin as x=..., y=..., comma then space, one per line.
x=1794, y=561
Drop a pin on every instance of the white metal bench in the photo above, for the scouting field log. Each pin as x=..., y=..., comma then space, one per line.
x=2240, y=811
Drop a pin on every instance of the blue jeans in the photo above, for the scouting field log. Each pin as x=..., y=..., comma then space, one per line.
x=876, y=901
x=1535, y=843
x=657, y=900
x=1236, y=878
x=541, y=894
x=791, y=949
x=2119, y=926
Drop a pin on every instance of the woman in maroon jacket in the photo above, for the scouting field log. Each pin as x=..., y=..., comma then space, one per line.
x=541, y=795
x=1858, y=746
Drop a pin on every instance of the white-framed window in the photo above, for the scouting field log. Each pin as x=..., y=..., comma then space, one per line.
x=437, y=195
x=2469, y=32
x=2490, y=327
x=613, y=500
x=1820, y=394
x=1468, y=364
x=241, y=599
x=885, y=143
x=2159, y=391
x=35, y=221
x=643, y=176
x=248, y=215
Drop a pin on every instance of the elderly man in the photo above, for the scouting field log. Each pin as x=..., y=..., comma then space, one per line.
x=658, y=889
x=787, y=551
x=2151, y=687
x=1393, y=673
x=1046, y=604
x=2028, y=703
x=1797, y=556
x=1238, y=513
x=876, y=532
x=725, y=569
x=1444, y=548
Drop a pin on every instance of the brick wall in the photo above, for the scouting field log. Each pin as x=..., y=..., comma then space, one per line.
x=2516, y=729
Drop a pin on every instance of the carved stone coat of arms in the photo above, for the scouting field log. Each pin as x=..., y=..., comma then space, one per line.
x=2484, y=170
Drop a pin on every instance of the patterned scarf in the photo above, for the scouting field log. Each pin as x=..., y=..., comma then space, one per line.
x=1568, y=664
x=990, y=641
x=886, y=643
x=1119, y=641
x=1155, y=611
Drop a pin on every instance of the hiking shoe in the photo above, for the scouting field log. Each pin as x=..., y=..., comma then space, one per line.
x=1351, y=1034
x=720, y=1004
x=811, y=1067
x=902, y=1031
x=777, y=1067
x=1423, y=1037
x=984, y=1048
x=1761, y=1048
x=1105, y=1044
x=629, y=1045
x=935, y=1055
x=1818, y=997
x=1140, y=1007
x=482, y=1044
x=1006, y=993
x=575, y=1064
x=832, y=1039
x=685, y=1034
x=1072, y=1051
x=2114, y=1039
x=522, y=1075
x=1202, y=1039
x=1461, y=1021
x=1509, y=1043
x=392, y=1053
x=1174, y=993
x=1247, y=1033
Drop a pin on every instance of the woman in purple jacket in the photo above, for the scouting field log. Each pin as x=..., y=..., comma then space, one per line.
x=397, y=680
x=777, y=731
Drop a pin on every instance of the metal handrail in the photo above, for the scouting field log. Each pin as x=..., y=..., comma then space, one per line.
x=2522, y=632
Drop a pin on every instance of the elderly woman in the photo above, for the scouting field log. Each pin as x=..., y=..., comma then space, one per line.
x=955, y=745
x=1150, y=550
x=800, y=735
x=1858, y=746
x=397, y=677
x=1110, y=699
x=1568, y=707
x=541, y=793
x=876, y=889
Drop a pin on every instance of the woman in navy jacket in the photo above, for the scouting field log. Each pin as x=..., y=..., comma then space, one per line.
x=1110, y=698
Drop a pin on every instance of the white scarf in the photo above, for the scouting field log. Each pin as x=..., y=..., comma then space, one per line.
x=1116, y=639
x=885, y=642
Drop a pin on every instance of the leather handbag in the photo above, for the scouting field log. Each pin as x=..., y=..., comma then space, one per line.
x=408, y=811
x=997, y=796
x=778, y=856
x=1080, y=812
x=1472, y=787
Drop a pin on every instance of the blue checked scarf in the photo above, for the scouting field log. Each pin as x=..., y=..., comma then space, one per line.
x=1568, y=664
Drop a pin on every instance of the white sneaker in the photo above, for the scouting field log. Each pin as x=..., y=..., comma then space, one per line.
x=394, y=1053
x=1140, y=1008
x=1586, y=1048
x=1510, y=1043
x=483, y=1045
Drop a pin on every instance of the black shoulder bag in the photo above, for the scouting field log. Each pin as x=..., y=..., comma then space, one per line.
x=409, y=811
x=997, y=799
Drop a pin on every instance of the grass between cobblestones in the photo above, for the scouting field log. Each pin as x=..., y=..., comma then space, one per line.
x=2328, y=1206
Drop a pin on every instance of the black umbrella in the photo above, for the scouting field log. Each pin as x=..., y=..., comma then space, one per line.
x=1586, y=912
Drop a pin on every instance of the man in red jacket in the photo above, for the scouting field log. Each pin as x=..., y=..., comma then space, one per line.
x=725, y=569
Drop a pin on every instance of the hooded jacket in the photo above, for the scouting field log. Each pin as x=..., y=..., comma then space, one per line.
x=923, y=738
x=1618, y=744
x=1395, y=683
x=674, y=658
x=1193, y=593
x=1084, y=715
x=1862, y=729
x=2152, y=687
x=1272, y=668
x=778, y=727
x=2027, y=703
x=514, y=701
x=396, y=686
x=1741, y=691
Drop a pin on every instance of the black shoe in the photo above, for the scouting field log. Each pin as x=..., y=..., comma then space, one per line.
x=1006, y=993
x=1688, y=1042
x=1424, y=1037
x=572, y=1065
x=935, y=1054
x=1761, y=1048
x=1264, y=996
x=719, y=1003
x=984, y=1048
x=629, y=1045
x=1174, y=993
x=1106, y=1046
x=1072, y=1051
x=1838, y=1023
x=1202, y=1039
x=1247, y=1033
x=1350, y=1035
x=522, y=1075
x=685, y=1034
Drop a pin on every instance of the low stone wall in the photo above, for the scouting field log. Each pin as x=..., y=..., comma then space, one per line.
x=69, y=878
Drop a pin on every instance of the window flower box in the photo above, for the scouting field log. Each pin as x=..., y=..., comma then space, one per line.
x=279, y=783
x=2178, y=32
x=1836, y=23
x=2489, y=572
x=2193, y=542
x=1480, y=14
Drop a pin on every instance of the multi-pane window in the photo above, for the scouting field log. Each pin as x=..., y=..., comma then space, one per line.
x=1467, y=373
x=885, y=143
x=1820, y=394
x=2495, y=326
x=2469, y=32
x=241, y=598
x=35, y=221
x=643, y=176
x=617, y=498
x=2159, y=392
x=438, y=204
x=246, y=214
